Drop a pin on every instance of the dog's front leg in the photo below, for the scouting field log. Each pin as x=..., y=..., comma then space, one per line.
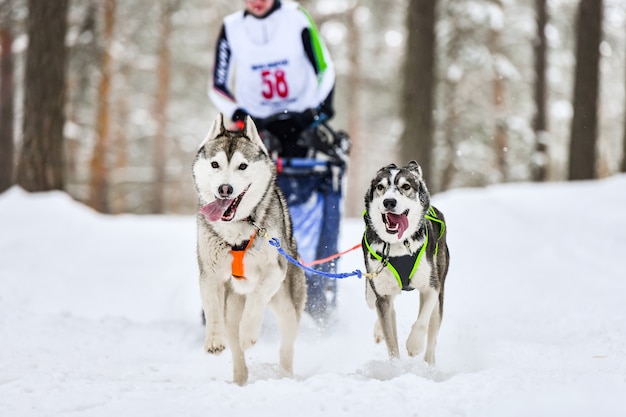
x=212, y=293
x=287, y=317
x=234, y=308
x=387, y=320
x=428, y=301
x=433, y=331
x=254, y=308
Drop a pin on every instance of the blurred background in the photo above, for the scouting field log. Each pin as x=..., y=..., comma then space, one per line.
x=478, y=91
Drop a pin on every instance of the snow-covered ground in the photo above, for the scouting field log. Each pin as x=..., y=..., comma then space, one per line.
x=100, y=316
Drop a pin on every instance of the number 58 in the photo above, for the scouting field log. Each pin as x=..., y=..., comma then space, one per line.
x=274, y=83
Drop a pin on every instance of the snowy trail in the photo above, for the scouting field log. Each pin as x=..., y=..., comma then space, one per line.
x=99, y=316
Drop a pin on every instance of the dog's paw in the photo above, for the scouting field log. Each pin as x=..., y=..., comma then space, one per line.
x=429, y=357
x=247, y=342
x=240, y=378
x=240, y=372
x=414, y=344
x=249, y=332
x=214, y=344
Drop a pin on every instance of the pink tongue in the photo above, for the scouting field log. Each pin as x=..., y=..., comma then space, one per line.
x=401, y=220
x=214, y=211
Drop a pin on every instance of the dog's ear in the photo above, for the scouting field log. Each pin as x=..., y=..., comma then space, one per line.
x=252, y=133
x=379, y=174
x=249, y=128
x=386, y=168
x=217, y=129
x=415, y=168
x=369, y=194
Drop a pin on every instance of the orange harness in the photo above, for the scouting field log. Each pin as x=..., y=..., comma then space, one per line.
x=238, y=254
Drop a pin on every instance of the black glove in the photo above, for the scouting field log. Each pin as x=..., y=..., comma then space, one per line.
x=239, y=114
x=308, y=118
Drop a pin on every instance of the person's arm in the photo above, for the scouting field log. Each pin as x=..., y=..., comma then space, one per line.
x=323, y=66
x=219, y=89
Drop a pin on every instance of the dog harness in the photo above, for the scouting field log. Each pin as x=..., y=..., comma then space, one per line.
x=238, y=253
x=404, y=267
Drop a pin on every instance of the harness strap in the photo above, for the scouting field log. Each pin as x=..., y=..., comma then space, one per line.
x=432, y=216
x=387, y=261
x=238, y=253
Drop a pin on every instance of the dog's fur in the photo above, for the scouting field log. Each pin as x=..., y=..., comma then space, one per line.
x=396, y=204
x=234, y=178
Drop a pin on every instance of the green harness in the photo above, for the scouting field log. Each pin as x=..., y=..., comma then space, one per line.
x=404, y=267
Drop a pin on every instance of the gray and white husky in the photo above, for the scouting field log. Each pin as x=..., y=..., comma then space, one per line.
x=240, y=273
x=404, y=245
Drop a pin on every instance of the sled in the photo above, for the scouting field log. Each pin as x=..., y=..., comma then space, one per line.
x=310, y=175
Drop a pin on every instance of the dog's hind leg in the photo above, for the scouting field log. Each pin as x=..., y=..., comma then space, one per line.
x=287, y=317
x=379, y=336
x=387, y=320
x=378, y=332
x=428, y=301
x=234, y=309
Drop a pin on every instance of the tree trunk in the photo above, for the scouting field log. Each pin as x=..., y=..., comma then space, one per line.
x=450, y=137
x=99, y=168
x=623, y=167
x=354, y=203
x=500, y=134
x=41, y=164
x=163, y=72
x=582, y=163
x=7, y=146
x=540, y=124
x=418, y=93
x=119, y=202
x=452, y=110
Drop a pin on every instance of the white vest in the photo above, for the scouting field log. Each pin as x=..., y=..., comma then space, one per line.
x=269, y=66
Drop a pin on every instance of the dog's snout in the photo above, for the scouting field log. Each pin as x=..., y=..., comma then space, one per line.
x=389, y=203
x=226, y=190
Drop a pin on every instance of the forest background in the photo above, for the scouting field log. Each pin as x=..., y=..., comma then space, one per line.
x=480, y=91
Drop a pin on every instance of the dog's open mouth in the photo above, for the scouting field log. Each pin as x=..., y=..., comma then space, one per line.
x=396, y=223
x=223, y=209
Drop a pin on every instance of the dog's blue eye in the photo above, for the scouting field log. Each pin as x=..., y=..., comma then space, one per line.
x=406, y=187
x=215, y=165
x=380, y=187
x=243, y=166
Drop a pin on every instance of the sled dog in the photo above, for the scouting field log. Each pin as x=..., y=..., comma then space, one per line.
x=240, y=273
x=404, y=246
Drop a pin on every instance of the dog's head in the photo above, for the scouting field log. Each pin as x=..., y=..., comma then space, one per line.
x=231, y=171
x=397, y=201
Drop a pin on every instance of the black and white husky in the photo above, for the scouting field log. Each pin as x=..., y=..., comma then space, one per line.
x=240, y=273
x=405, y=248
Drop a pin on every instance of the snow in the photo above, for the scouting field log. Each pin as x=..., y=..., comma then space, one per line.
x=100, y=316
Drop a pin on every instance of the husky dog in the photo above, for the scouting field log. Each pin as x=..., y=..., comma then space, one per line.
x=405, y=248
x=240, y=274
